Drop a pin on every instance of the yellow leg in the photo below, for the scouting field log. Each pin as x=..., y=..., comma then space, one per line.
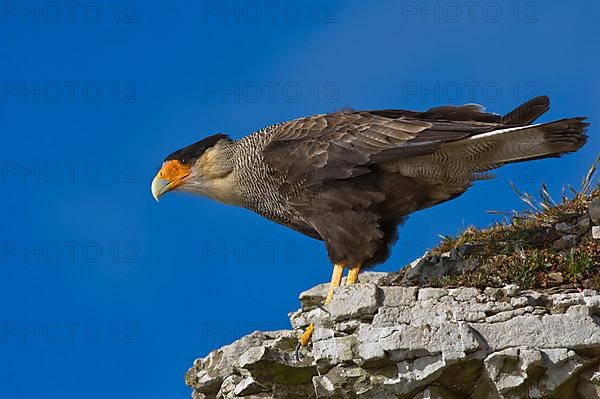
x=336, y=280
x=353, y=275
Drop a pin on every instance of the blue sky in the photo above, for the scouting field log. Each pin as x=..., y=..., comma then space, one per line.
x=106, y=293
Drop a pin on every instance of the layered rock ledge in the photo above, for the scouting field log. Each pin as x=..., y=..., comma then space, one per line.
x=380, y=340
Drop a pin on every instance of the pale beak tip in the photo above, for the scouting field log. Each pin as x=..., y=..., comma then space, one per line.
x=159, y=187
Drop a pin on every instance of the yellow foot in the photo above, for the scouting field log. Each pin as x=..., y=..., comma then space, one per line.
x=304, y=340
x=336, y=280
x=305, y=337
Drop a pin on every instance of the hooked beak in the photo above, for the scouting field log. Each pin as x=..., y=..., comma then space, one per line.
x=170, y=176
x=159, y=187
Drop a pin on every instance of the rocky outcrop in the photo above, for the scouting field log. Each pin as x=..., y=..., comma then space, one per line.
x=377, y=339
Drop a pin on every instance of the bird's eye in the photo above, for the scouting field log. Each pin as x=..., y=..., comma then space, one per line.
x=183, y=161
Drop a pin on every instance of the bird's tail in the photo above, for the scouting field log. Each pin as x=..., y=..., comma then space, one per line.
x=517, y=140
x=461, y=161
x=522, y=143
x=526, y=113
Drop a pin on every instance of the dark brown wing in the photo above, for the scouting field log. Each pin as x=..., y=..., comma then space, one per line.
x=341, y=145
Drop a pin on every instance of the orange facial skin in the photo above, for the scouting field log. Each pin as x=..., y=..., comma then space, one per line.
x=175, y=172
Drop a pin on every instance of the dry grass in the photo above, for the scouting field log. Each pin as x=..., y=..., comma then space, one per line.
x=522, y=249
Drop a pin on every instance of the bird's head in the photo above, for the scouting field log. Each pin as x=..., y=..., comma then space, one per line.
x=202, y=168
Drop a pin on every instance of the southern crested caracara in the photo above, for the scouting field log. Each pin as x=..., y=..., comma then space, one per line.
x=350, y=178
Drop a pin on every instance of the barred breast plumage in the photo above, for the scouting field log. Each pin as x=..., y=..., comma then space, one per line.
x=261, y=185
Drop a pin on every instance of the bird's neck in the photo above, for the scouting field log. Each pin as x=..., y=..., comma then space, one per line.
x=217, y=168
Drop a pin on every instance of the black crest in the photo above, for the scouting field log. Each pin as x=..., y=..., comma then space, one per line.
x=195, y=150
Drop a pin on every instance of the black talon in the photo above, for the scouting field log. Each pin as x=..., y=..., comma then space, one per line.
x=297, y=352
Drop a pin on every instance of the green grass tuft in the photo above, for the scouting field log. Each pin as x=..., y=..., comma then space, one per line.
x=522, y=249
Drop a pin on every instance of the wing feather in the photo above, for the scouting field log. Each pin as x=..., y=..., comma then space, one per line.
x=337, y=146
